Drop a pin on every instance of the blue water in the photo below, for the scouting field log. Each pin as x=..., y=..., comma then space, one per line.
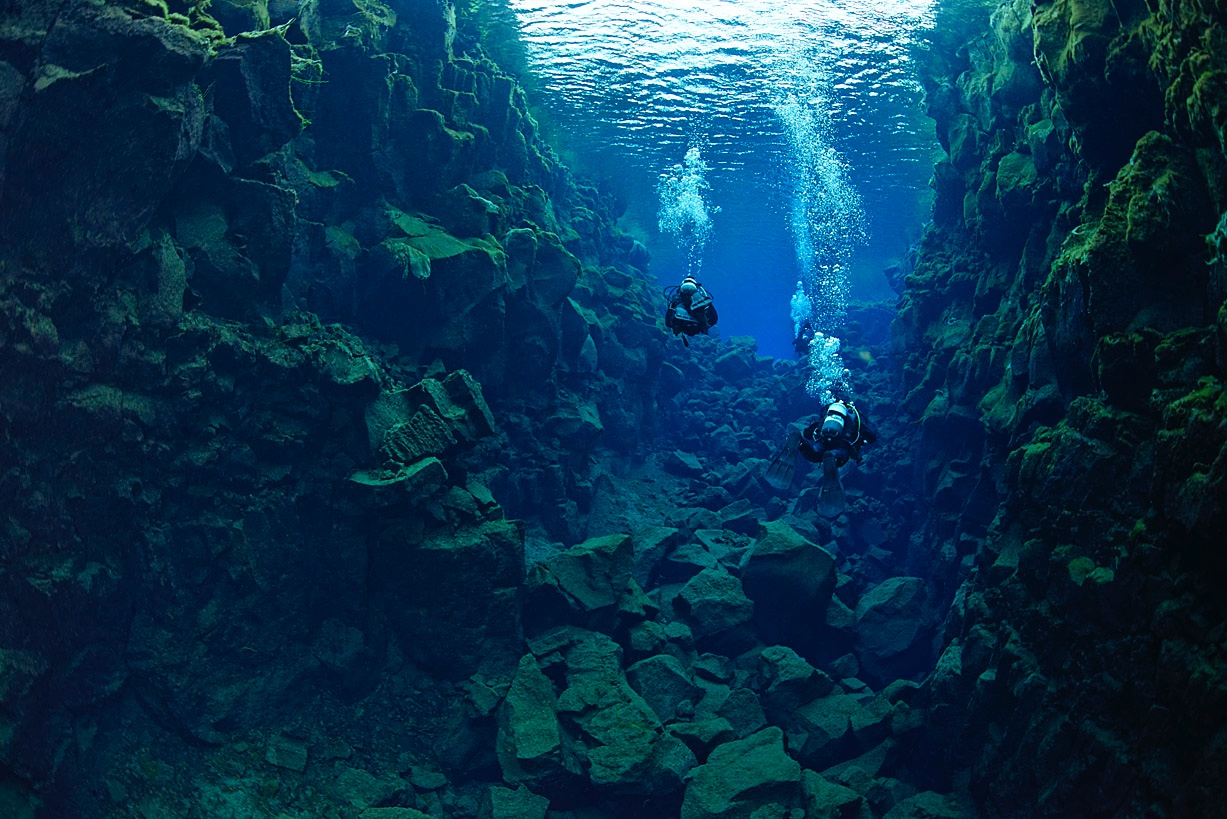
x=797, y=110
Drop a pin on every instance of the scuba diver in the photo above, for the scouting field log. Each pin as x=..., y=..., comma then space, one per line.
x=690, y=309
x=833, y=441
x=804, y=337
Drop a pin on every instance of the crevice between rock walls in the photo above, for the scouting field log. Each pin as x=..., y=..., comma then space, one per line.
x=347, y=470
x=1063, y=336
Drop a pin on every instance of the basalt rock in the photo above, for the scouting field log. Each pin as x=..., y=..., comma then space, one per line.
x=891, y=625
x=790, y=581
x=588, y=585
x=532, y=747
x=744, y=777
x=1058, y=315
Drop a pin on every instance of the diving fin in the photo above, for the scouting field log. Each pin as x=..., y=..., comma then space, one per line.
x=784, y=465
x=831, y=499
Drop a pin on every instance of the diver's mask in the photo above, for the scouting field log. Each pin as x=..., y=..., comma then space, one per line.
x=833, y=424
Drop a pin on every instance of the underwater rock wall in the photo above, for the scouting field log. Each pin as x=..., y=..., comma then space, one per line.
x=245, y=251
x=1063, y=333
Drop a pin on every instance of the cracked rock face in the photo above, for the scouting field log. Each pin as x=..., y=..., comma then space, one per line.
x=1089, y=319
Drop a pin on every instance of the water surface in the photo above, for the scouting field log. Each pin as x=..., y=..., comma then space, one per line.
x=627, y=87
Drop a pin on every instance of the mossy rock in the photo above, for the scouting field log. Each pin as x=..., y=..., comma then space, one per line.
x=532, y=748
x=411, y=224
x=250, y=79
x=1016, y=180
x=1124, y=366
x=554, y=272
x=1191, y=453
x=443, y=152
x=400, y=257
x=748, y=777
x=464, y=212
x=238, y=16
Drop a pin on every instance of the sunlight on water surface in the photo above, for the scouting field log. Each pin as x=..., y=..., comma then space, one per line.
x=808, y=119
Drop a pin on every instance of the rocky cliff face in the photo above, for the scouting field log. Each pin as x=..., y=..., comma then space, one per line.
x=347, y=472
x=1064, y=331
x=266, y=270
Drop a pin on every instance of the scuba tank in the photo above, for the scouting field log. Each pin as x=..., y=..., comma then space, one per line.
x=837, y=419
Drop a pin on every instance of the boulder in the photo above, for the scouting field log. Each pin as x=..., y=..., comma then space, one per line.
x=554, y=271
x=576, y=424
x=683, y=464
x=520, y=803
x=735, y=365
x=580, y=584
x=531, y=746
x=588, y=360
x=927, y=805
x=421, y=481
x=787, y=681
x=704, y=734
x=820, y=732
x=431, y=418
x=1016, y=180
x=740, y=516
x=684, y=562
x=650, y=637
x=739, y=706
x=825, y=799
x=651, y=545
x=617, y=735
x=665, y=686
x=464, y=212
x=790, y=581
x=742, y=778
x=717, y=610
x=892, y=624
x=726, y=546
x=873, y=722
x=578, y=326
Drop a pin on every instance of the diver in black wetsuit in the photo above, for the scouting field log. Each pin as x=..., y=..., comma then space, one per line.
x=690, y=309
x=804, y=338
x=841, y=433
x=833, y=441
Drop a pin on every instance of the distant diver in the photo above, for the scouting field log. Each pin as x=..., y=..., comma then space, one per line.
x=690, y=309
x=833, y=441
x=805, y=335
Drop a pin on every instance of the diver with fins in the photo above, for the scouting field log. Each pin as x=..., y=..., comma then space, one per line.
x=833, y=441
x=689, y=309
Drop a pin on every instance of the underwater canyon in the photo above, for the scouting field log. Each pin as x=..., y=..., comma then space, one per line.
x=349, y=471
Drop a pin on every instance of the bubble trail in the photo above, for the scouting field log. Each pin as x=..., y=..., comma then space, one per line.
x=685, y=212
x=827, y=223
